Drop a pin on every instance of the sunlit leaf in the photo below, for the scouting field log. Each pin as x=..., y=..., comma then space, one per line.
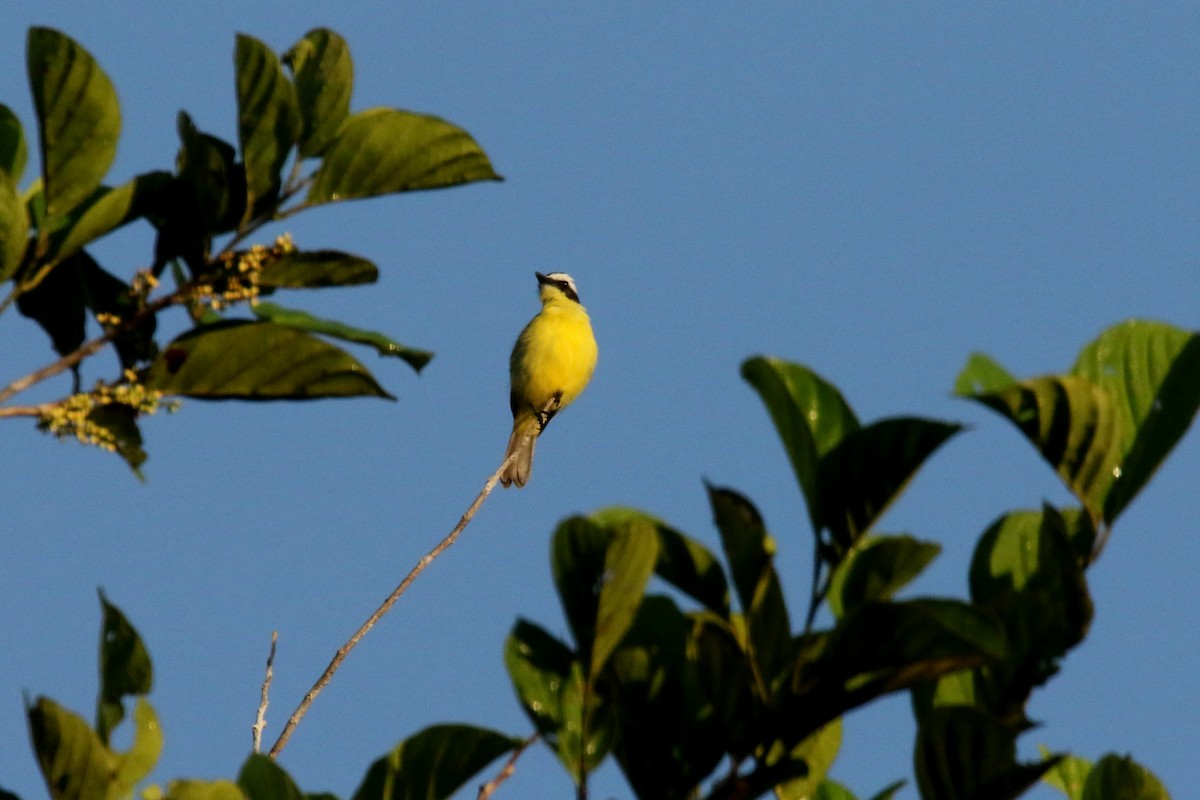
x=628, y=563
x=832, y=790
x=817, y=753
x=203, y=790
x=258, y=361
x=323, y=76
x=876, y=568
x=79, y=121
x=869, y=468
x=14, y=228
x=750, y=551
x=810, y=415
x=124, y=667
x=1068, y=776
x=1074, y=423
x=433, y=764
x=382, y=151
x=539, y=666
x=317, y=268
x=13, y=149
x=683, y=562
x=1121, y=778
x=303, y=321
x=262, y=779
x=1152, y=372
x=106, y=210
x=268, y=120
x=74, y=762
x=139, y=760
x=982, y=375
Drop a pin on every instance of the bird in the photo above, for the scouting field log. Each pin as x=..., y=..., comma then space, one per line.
x=551, y=363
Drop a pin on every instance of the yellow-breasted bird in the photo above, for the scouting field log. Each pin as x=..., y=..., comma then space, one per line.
x=551, y=363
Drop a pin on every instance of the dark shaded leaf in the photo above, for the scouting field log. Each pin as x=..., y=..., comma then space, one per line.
x=13, y=150
x=964, y=754
x=868, y=469
x=303, y=321
x=124, y=667
x=810, y=415
x=324, y=76
x=1074, y=424
x=1121, y=778
x=539, y=666
x=1152, y=372
x=434, y=763
x=268, y=120
x=317, y=268
x=79, y=121
x=668, y=737
x=14, y=228
x=876, y=568
x=104, y=293
x=382, y=151
x=74, y=762
x=56, y=303
x=629, y=561
x=262, y=779
x=203, y=790
x=213, y=183
x=750, y=552
x=242, y=360
x=120, y=421
x=577, y=554
x=683, y=562
x=888, y=791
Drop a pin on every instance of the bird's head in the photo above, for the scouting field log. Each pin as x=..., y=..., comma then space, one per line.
x=556, y=285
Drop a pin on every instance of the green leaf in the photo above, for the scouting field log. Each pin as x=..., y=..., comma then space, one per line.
x=56, y=303
x=981, y=375
x=589, y=726
x=1075, y=424
x=817, y=753
x=245, y=360
x=324, y=76
x=302, y=321
x=13, y=152
x=203, y=790
x=433, y=764
x=382, y=151
x=578, y=551
x=832, y=790
x=124, y=667
x=869, y=468
x=268, y=120
x=106, y=210
x=79, y=121
x=964, y=754
x=14, y=228
x=876, y=568
x=539, y=666
x=317, y=268
x=135, y=764
x=213, y=185
x=750, y=552
x=953, y=689
x=1152, y=372
x=1068, y=776
x=74, y=762
x=628, y=563
x=104, y=293
x=888, y=791
x=262, y=779
x=809, y=413
x=683, y=562
x=1121, y=778
x=120, y=421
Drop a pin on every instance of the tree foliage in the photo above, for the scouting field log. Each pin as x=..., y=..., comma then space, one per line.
x=684, y=665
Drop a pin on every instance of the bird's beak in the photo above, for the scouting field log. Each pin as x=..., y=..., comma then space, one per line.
x=542, y=279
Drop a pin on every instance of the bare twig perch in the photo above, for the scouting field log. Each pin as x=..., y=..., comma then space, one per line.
x=260, y=721
x=506, y=772
x=345, y=649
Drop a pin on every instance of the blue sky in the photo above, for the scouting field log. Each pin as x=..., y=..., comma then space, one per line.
x=874, y=192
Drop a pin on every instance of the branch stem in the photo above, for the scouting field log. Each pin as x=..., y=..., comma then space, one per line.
x=260, y=721
x=506, y=772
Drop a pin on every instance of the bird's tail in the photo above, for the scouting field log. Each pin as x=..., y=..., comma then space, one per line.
x=524, y=436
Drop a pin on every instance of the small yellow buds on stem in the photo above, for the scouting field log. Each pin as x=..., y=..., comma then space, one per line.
x=237, y=274
x=72, y=416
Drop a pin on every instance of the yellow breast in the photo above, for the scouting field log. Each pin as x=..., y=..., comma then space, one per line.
x=556, y=353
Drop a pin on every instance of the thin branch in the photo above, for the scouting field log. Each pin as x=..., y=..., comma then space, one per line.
x=260, y=721
x=387, y=604
x=24, y=411
x=510, y=766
